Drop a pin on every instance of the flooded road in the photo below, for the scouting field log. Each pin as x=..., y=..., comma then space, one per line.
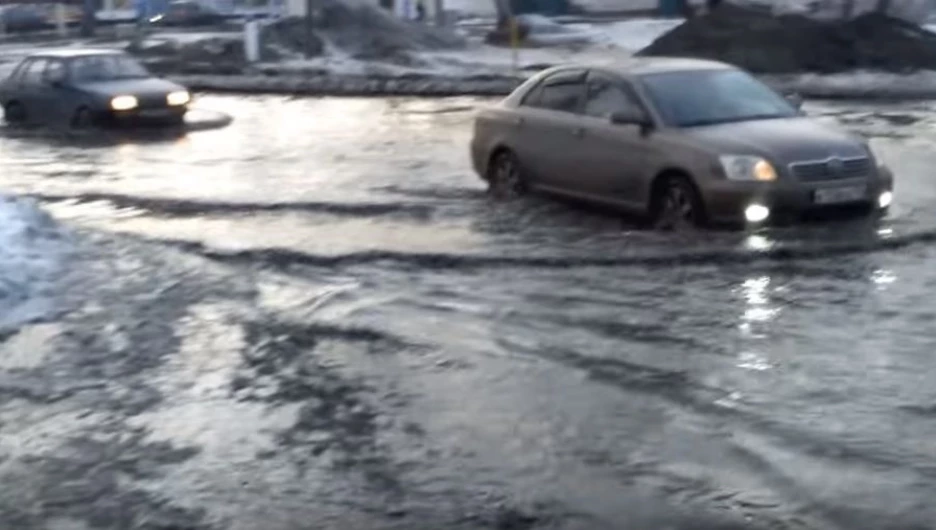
x=315, y=318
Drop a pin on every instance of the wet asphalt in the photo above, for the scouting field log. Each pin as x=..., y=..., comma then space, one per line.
x=315, y=318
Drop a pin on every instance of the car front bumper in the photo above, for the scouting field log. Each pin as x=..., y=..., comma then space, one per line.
x=731, y=201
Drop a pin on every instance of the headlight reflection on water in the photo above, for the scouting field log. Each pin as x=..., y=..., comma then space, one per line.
x=758, y=313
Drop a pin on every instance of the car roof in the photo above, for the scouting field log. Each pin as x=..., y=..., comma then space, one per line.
x=651, y=65
x=70, y=53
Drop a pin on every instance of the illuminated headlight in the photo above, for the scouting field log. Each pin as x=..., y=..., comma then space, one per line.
x=885, y=199
x=124, y=103
x=756, y=213
x=177, y=99
x=742, y=167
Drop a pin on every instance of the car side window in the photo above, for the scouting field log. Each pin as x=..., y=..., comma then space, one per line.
x=32, y=73
x=606, y=96
x=54, y=72
x=563, y=91
x=564, y=96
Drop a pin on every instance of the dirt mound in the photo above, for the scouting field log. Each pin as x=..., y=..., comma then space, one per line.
x=361, y=30
x=215, y=55
x=764, y=43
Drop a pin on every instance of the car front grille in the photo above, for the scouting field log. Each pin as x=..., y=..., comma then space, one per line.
x=832, y=169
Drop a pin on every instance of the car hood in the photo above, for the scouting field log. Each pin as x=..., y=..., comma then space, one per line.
x=133, y=87
x=783, y=141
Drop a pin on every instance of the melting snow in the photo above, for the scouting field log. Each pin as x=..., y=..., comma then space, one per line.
x=31, y=245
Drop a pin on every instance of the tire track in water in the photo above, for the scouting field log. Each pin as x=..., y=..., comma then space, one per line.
x=284, y=258
x=190, y=207
x=675, y=386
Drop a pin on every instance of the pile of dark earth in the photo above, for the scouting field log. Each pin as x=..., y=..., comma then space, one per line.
x=769, y=44
x=347, y=27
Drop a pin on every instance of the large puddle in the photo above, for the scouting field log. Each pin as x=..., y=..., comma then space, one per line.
x=554, y=353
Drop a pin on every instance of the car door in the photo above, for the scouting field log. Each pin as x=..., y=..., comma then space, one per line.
x=614, y=158
x=548, y=123
x=52, y=94
x=28, y=89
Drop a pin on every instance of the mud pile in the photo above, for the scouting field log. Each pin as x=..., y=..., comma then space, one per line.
x=341, y=28
x=214, y=55
x=769, y=44
x=362, y=31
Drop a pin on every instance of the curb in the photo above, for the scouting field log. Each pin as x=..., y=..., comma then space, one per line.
x=348, y=86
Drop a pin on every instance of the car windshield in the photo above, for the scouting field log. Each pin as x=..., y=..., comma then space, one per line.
x=707, y=97
x=106, y=68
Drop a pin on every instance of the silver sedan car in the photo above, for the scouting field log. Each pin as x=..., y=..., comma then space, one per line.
x=681, y=141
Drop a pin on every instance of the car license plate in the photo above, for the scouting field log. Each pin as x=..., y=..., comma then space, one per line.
x=840, y=194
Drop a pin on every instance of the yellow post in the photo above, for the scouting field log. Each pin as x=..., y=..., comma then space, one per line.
x=515, y=43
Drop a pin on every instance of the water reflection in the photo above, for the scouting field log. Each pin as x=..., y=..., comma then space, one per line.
x=758, y=313
x=882, y=278
x=758, y=243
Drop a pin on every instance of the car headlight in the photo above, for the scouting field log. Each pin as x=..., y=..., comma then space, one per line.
x=124, y=103
x=744, y=167
x=178, y=98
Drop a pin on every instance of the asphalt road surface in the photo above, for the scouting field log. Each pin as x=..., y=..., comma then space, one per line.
x=315, y=319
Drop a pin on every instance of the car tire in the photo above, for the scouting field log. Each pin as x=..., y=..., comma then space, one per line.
x=14, y=112
x=677, y=205
x=82, y=119
x=505, y=176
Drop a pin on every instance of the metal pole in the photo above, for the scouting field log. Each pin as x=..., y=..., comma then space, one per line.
x=87, y=18
x=515, y=44
x=439, y=8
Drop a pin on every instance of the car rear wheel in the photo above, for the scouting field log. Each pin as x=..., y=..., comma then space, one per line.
x=505, y=177
x=14, y=112
x=82, y=119
x=677, y=205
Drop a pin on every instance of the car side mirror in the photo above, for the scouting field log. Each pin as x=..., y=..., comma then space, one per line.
x=795, y=99
x=630, y=118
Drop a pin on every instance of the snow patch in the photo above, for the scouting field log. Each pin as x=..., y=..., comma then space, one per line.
x=31, y=248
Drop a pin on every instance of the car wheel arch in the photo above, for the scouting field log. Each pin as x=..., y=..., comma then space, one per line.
x=493, y=153
x=14, y=104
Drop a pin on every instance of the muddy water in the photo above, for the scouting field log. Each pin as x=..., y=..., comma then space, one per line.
x=314, y=318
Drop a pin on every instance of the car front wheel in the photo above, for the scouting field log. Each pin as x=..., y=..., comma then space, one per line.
x=677, y=205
